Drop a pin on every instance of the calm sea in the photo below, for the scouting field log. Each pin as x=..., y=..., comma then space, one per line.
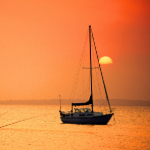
x=39, y=128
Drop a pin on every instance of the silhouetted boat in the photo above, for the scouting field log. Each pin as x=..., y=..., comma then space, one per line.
x=87, y=115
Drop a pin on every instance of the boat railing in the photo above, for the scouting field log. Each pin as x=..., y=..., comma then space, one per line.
x=107, y=111
x=66, y=112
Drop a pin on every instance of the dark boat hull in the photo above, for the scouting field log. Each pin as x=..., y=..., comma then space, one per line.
x=103, y=119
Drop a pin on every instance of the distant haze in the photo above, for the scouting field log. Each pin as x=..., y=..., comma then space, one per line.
x=113, y=102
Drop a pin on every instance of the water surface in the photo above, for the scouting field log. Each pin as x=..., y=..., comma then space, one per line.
x=40, y=127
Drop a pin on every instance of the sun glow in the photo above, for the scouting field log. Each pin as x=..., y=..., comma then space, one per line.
x=105, y=60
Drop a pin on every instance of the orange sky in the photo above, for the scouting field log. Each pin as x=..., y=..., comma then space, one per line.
x=41, y=41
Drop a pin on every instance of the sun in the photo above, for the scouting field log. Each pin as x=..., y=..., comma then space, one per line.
x=105, y=60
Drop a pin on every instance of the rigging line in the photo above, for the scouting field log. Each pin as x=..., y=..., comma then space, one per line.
x=83, y=84
x=83, y=93
x=77, y=75
x=97, y=74
x=79, y=68
x=97, y=84
x=87, y=89
x=86, y=92
x=102, y=75
x=18, y=121
x=101, y=105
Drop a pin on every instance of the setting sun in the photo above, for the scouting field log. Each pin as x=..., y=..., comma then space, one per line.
x=105, y=60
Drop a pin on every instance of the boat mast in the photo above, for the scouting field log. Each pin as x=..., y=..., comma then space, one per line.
x=90, y=65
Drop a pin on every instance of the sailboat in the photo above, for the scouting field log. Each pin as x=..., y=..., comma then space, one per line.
x=87, y=115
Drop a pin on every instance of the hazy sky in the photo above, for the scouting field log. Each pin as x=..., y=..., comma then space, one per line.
x=41, y=41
